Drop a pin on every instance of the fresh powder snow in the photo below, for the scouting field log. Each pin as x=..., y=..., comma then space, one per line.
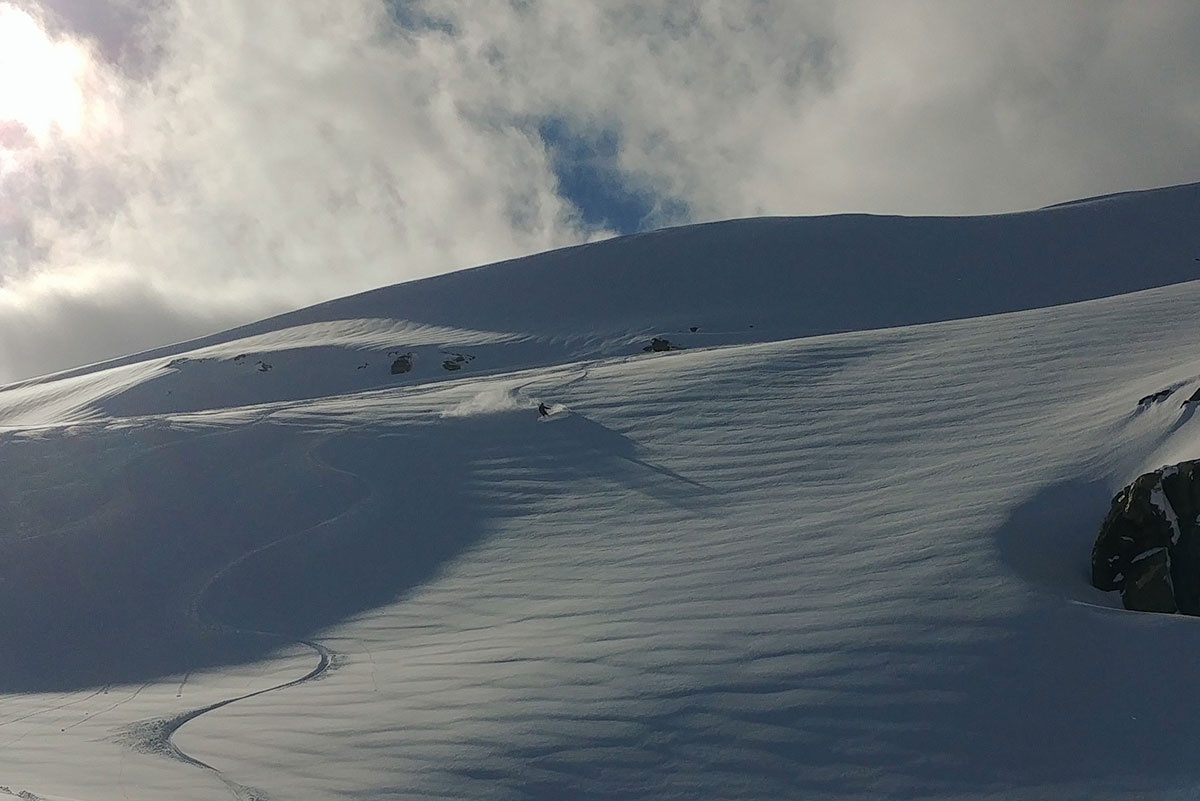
x=834, y=545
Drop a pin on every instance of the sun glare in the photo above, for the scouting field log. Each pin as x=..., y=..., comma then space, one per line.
x=49, y=88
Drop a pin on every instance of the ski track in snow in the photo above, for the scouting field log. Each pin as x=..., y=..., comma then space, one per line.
x=110, y=708
x=155, y=736
x=63, y=705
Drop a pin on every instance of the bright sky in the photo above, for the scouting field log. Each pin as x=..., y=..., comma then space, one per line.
x=173, y=167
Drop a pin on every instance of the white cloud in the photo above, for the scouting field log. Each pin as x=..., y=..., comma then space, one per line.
x=910, y=107
x=266, y=155
x=278, y=154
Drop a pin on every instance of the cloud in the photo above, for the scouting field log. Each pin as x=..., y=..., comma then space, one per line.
x=246, y=158
x=254, y=172
x=802, y=108
x=56, y=320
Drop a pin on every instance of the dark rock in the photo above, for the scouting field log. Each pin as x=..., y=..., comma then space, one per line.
x=1149, y=544
x=1151, y=590
x=1195, y=397
x=402, y=364
x=180, y=361
x=659, y=344
x=456, y=361
x=694, y=328
x=1155, y=397
x=263, y=367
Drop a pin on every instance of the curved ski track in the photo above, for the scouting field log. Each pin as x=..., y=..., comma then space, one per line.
x=155, y=735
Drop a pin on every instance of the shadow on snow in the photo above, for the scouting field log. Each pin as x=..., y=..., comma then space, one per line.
x=132, y=554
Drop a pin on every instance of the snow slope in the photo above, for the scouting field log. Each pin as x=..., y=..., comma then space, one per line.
x=835, y=548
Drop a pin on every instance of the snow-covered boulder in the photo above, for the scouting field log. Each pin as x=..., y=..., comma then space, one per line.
x=1149, y=544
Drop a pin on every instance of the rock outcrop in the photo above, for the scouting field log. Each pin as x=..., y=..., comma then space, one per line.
x=403, y=364
x=1149, y=544
x=661, y=344
x=1156, y=397
x=456, y=361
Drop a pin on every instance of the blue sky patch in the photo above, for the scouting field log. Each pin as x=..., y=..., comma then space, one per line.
x=410, y=16
x=585, y=164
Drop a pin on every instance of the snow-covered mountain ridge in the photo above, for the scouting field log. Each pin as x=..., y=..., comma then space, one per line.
x=738, y=281
x=790, y=561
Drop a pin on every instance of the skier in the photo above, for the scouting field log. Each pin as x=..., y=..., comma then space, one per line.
x=543, y=409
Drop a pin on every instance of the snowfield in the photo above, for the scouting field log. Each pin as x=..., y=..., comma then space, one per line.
x=835, y=547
